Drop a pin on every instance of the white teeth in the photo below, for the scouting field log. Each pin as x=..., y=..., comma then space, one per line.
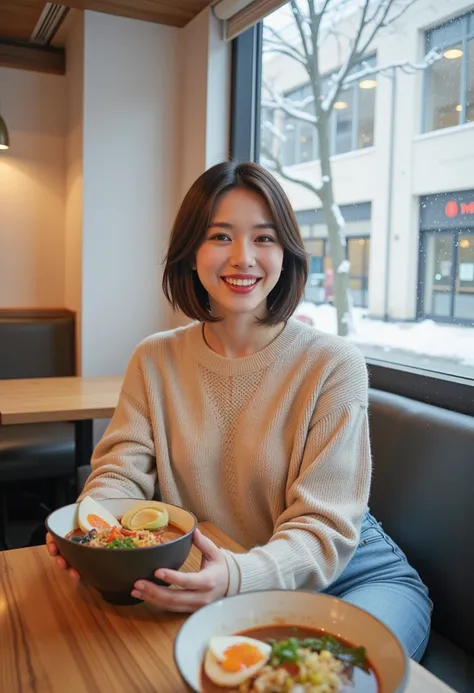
x=240, y=282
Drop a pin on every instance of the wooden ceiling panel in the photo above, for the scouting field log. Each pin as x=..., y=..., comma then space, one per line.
x=171, y=12
x=18, y=18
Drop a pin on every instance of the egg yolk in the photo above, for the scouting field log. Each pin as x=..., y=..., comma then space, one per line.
x=97, y=522
x=241, y=656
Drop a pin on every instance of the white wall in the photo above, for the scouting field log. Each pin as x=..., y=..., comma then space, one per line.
x=443, y=160
x=32, y=175
x=130, y=173
x=205, y=97
x=204, y=106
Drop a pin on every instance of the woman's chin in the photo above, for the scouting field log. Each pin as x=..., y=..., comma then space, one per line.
x=239, y=306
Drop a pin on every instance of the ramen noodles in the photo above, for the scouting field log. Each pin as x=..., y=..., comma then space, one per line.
x=144, y=525
x=286, y=659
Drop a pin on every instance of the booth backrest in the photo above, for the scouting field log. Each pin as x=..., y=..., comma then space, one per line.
x=36, y=343
x=423, y=493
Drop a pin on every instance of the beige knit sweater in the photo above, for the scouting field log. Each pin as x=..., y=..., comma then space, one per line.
x=272, y=448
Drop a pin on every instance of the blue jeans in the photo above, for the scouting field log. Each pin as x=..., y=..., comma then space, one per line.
x=380, y=580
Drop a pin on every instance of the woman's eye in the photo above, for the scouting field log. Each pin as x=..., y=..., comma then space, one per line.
x=219, y=237
x=265, y=239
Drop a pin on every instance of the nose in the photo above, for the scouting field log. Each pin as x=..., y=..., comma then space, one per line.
x=243, y=254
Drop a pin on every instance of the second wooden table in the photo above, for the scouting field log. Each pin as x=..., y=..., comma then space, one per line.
x=77, y=399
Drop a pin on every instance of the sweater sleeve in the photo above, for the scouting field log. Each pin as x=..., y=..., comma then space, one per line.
x=123, y=463
x=317, y=533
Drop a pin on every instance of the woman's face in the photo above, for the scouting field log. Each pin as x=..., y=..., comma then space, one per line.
x=240, y=260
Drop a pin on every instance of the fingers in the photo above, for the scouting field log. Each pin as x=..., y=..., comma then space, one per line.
x=179, y=601
x=51, y=546
x=202, y=581
x=60, y=562
x=206, y=546
x=74, y=574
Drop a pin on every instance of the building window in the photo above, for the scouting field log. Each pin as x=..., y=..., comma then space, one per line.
x=300, y=138
x=319, y=288
x=351, y=126
x=358, y=252
x=450, y=80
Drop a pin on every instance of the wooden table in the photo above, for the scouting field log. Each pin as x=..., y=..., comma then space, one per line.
x=77, y=399
x=57, y=636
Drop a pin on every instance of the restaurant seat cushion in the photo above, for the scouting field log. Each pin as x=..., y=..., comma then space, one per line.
x=36, y=451
x=449, y=663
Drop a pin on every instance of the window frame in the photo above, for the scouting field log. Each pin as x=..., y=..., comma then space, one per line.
x=443, y=390
x=466, y=22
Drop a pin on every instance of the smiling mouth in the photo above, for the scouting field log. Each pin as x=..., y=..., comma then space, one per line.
x=240, y=282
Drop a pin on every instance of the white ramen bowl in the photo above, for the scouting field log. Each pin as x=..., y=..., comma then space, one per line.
x=294, y=608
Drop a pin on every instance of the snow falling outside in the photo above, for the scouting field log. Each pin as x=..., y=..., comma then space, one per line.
x=454, y=343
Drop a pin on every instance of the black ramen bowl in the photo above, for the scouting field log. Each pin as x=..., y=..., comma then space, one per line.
x=113, y=572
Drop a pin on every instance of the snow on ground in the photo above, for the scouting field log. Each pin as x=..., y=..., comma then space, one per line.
x=426, y=338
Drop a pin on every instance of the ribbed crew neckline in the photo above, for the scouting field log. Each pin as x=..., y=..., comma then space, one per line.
x=246, y=364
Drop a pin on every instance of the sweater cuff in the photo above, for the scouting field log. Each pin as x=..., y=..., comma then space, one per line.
x=234, y=574
x=249, y=575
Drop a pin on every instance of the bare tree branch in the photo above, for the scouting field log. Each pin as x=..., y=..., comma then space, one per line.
x=383, y=5
x=354, y=54
x=299, y=23
x=316, y=13
x=382, y=22
x=275, y=163
x=278, y=134
x=290, y=108
x=405, y=65
x=278, y=38
x=273, y=47
x=323, y=8
x=357, y=52
x=393, y=18
x=295, y=110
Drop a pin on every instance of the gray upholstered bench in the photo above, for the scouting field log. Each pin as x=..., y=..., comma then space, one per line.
x=423, y=493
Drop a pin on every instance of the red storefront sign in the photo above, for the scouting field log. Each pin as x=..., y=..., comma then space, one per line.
x=453, y=209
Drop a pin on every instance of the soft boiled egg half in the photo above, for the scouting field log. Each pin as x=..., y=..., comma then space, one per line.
x=231, y=660
x=92, y=515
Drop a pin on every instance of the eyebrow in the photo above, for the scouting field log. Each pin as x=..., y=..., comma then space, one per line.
x=226, y=225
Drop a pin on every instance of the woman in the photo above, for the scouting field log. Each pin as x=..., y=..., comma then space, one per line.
x=253, y=420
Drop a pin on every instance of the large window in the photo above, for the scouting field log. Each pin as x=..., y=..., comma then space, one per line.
x=404, y=202
x=450, y=80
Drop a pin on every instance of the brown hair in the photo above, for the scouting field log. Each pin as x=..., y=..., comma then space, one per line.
x=181, y=284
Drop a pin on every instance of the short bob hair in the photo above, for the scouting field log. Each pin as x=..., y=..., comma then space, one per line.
x=181, y=284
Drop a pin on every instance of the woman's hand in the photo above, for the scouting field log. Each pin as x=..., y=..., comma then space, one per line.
x=197, y=589
x=53, y=551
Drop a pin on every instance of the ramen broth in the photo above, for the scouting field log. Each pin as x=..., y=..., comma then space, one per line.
x=169, y=533
x=362, y=682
